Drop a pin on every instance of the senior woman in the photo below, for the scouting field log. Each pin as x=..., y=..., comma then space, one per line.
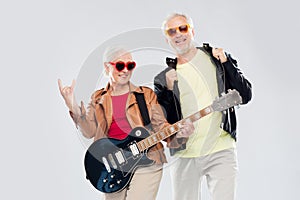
x=113, y=112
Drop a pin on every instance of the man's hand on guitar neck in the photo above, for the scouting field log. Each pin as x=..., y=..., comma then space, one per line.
x=186, y=129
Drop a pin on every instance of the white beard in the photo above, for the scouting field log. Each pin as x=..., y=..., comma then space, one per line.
x=184, y=50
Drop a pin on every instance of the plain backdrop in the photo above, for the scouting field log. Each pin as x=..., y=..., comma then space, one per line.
x=42, y=152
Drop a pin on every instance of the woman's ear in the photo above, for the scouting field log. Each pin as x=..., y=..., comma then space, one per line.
x=107, y=66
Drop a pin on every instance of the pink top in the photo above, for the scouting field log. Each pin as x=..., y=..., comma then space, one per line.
x=120, y=127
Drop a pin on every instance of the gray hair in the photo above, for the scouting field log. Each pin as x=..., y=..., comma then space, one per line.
x=111, y=53
x=173, y=15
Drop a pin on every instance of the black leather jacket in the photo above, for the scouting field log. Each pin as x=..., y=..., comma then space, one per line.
x=234, y=79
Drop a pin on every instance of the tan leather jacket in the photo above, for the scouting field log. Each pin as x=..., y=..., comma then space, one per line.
x=97, y=118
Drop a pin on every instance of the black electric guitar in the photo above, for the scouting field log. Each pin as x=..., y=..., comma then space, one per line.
x=110, y=163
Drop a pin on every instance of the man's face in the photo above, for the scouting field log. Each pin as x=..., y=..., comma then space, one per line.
x=120, y=77
x=181, y=41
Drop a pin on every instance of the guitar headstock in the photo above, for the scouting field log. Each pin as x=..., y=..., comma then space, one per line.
x=232, y=98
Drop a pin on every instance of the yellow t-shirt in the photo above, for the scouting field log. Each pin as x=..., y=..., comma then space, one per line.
x=198, y=89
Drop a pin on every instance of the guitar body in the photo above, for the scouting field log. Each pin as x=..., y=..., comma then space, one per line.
x=111, y=163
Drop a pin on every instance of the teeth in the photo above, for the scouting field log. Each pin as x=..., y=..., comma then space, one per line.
x=179, y=41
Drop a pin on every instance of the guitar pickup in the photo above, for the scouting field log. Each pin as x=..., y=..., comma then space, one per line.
x=120, y=157
x=134, y=149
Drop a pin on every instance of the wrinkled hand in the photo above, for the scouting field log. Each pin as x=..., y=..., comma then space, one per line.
x=219, y=54
x=171, y=76
x=187, y=128
x=67, y=92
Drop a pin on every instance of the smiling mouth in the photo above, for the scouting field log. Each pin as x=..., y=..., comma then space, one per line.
x=123, y=75
x=180, y=41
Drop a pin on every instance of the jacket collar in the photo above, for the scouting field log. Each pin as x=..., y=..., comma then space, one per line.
x=103, y=98
x=106, y=93
x=172, y=62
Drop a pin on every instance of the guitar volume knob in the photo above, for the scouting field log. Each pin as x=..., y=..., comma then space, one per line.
x=138, y=133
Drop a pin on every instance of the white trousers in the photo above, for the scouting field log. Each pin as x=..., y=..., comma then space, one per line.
x=143, y=186
x=220, y=170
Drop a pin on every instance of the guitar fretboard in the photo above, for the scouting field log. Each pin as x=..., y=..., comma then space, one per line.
x=171, y=130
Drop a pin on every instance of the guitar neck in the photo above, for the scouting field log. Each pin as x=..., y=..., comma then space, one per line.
x=171, y=130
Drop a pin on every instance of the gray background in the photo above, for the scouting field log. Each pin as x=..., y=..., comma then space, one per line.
x=41, y=151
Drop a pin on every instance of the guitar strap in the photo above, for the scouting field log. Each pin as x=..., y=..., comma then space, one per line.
x=143, y=109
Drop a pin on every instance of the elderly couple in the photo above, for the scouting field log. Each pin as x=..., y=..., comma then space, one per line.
x=191, y=81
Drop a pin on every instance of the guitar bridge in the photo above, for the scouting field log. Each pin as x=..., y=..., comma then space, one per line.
x=104, y=160
x=112, y=161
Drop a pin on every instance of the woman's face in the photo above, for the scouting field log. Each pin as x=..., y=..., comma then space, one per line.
x=120, y=77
